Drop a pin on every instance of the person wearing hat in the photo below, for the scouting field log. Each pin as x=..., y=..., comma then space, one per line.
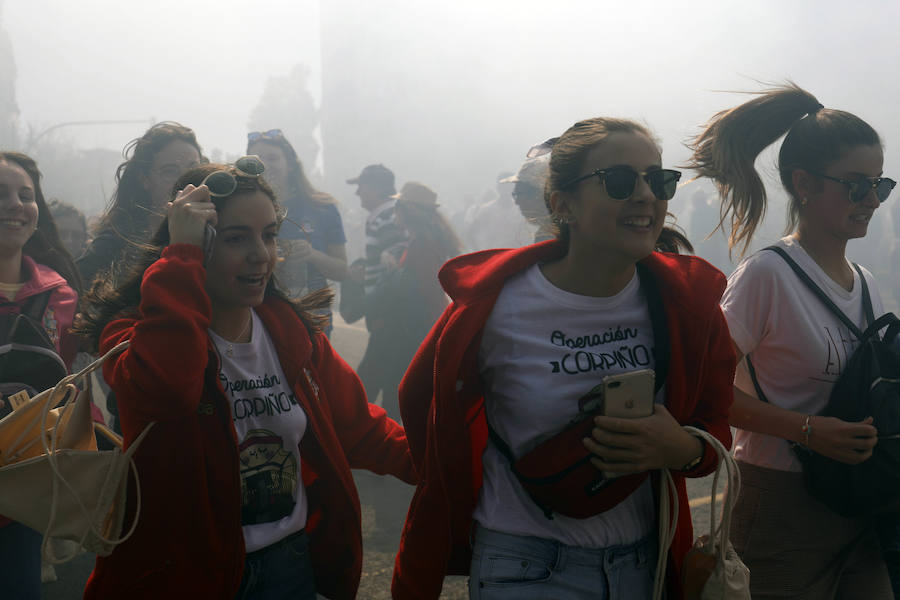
x=385, y=244
x=528, y=193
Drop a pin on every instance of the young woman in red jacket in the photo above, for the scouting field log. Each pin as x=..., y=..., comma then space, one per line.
x=529, y=332
x=245, y=477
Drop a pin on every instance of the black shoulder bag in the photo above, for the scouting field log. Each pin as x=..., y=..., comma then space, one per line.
x=869, y=385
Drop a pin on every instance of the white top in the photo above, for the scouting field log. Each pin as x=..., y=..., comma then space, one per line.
x=541, y=350
x=270, y=424
x=798, y=347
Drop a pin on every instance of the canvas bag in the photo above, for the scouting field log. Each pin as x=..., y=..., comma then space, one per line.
x=558, y=474
x=54, y=479
x=869, y=385
x=712, y=570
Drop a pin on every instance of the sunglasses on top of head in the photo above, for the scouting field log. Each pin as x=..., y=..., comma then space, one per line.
x=620, y=181
x=223, y=183
x=272, y=134
x=859, y=189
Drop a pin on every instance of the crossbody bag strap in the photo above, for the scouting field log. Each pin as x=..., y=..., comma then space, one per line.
x=806, y=279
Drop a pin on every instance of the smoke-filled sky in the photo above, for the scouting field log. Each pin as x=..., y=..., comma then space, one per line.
x=481, y=80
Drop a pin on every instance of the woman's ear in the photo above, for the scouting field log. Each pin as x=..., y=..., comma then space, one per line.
x=804, y=183
x=560, y=207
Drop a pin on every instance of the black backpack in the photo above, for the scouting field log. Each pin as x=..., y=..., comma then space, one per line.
x=28, y=358
x=869, y=385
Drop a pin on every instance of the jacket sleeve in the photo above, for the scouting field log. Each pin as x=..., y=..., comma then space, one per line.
x=416, y=391
x=370, y=439
x=716, y=393
x=159, y=376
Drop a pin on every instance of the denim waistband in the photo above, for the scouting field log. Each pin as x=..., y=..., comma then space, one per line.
x=644, y=549
x=282, y=542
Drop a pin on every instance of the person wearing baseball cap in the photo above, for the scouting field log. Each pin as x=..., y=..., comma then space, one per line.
x=385, y=245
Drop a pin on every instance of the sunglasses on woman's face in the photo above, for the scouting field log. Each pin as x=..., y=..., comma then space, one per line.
x=223, y=183
x=272, y=134
x=862, y=187
x=620, y=181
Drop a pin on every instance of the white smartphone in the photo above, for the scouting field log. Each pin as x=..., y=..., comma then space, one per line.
x=629, y=395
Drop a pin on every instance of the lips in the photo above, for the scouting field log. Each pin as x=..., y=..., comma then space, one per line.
x=253, y=280
x=13, y=223
x=861, y=218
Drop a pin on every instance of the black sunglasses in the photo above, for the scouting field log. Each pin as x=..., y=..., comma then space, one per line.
x=860, y=189
x=620, y=181
x=223, y=183
x=272, y=134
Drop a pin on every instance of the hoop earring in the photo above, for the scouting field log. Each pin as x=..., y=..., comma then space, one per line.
x=803, y=201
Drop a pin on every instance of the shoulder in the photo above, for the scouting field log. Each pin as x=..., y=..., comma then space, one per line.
x=687, y=278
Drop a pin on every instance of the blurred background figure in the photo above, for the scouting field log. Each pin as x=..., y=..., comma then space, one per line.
x=412, y=290
x=495, y=222
x=528, y=192
x=144, y=183
x=379, y=369
x=311, y=239
x=71, y=226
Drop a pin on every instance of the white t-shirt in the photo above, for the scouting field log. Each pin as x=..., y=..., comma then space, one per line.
x=541, y=350
x=270, y=424
x=798, y=347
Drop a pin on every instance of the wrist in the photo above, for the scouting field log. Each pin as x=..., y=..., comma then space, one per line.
x=689, y=454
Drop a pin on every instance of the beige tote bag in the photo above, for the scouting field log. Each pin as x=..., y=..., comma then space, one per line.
x=53, y=478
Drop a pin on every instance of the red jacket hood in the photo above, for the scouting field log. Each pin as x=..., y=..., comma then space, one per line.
x=473, y=275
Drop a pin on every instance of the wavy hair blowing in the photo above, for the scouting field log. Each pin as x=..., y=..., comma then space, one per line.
x=128, y=213
x=120, y=293
x=726, y=150
x=568, y=158
x=44, y=245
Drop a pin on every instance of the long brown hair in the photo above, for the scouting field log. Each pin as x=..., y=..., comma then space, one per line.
x=128, y=213
x=44, y=245
x=567, y=161
x=726, y=149
x=120, y=293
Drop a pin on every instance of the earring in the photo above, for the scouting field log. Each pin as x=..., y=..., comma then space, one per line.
x=803, y=201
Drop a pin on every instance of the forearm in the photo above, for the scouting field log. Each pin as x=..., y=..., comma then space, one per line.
x=754, y=415
x=331, y=267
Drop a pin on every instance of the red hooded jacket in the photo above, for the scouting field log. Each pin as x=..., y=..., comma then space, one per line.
x=188, y=542
x=442, y=403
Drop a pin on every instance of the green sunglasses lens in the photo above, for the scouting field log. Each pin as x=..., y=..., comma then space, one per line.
x=220, y=183
x=664, y=183
x=619, y=182
x=250, y=165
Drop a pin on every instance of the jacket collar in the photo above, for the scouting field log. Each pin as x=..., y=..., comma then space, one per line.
x=40, y=278
x=680, y=277
x=290, y=336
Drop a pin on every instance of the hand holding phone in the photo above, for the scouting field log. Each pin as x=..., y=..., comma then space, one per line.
x=629, y=395
x=189, y=215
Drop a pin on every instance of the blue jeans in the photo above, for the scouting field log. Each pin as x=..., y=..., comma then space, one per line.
x=281, y=571
x=506, y=566
x=20, y=562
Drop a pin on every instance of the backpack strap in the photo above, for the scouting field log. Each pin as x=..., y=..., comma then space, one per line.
x=756, y=386
x=817, y=291
x=36, y=306
x=866, y=297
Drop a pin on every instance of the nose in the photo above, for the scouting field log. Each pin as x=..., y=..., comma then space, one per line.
x=259, y=253
x=10, y=202
x=871, y=199
x=642, y=191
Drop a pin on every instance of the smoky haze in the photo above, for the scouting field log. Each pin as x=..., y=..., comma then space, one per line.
x=445, y=93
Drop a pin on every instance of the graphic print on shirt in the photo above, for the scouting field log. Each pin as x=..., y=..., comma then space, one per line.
x=257, y=401
x=268, y=478
x=600, y=351
x=840, y=343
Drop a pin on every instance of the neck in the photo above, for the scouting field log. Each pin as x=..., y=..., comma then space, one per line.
x=828, y=252
x=11, y=267
x=233, y=324
x=580, y=272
